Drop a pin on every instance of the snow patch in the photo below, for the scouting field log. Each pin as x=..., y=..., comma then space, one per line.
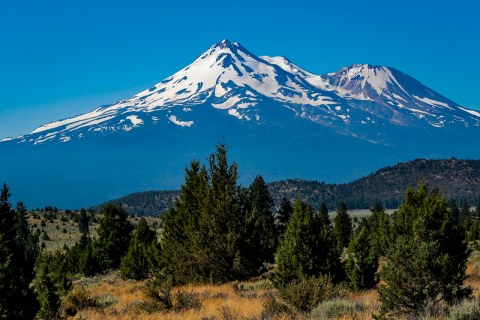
x=472, y=112
x=135, y=120
x=433, y=102
x=174, y=120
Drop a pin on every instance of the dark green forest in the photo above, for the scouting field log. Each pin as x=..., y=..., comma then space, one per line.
x=457, y=179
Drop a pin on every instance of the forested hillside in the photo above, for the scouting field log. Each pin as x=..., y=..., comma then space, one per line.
x=457, y=179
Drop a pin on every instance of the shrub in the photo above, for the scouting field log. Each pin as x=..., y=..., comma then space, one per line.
x=466, y=310
x=79, y=299
x=335, y=308
x=273, y=307
x=185, y=300
x=158, y=293
x=160, y=297
x=308, y=292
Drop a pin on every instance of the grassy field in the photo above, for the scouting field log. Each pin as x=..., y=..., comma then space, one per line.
x=119, y=299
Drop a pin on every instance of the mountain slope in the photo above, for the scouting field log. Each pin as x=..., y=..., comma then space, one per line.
x=279, y=120
x=457, y=179
x=361, y=100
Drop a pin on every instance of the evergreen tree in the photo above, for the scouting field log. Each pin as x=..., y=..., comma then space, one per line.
x=18, y=252
x=182, y=242
x=83, y=222
x=204, y=231
x=222, y=223
x=454, y=211
x=283, y=215
x=136, y=264
x=260, y=237
x=304, y=251
x=380, y=230
x=114, y=235
x=477, y=210
x=362, y=261
x=465, y=211
x=426, y=264
x=88, y=265
x=51, y=283
x=323, y=215
x=342, y=227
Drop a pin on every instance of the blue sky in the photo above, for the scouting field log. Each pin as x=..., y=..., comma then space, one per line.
x=62, y=58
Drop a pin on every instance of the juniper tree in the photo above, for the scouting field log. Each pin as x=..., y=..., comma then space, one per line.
x=114, y=235
x=83, y=222
x=182, y=242
x=323, y=215
x=222, y=223
x=427, y=262
x=136, y=264
x=342, y=227
x=283, y=215
x=259, y=235
x=362, y=261
x=18, y=252
x=379, y=229
x=304, y=251
x=51, y=283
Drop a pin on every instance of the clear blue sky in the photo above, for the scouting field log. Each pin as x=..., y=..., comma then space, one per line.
x=62, y=58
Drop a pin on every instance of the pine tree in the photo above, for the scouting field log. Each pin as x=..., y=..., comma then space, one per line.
x=18, y=252
x=304, y=251
x=283, y=215
x=342, y=227
x=260, y=236
x=362, y=261
x=477, y=210
x=136, y=264
x=114, y=235
x=426, y=265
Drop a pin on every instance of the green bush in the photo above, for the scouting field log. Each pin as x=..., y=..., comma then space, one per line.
x=465, y=310
x=335, y=308
x=306, y=293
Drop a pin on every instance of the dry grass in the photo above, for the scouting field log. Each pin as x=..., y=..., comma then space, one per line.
x=120, y=299
x=217, y=301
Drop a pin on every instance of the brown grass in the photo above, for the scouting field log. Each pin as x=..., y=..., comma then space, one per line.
x=216, y=300
x=219, y=301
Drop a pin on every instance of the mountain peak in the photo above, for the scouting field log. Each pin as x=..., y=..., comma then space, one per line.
x=229, y=78
x=225, y=43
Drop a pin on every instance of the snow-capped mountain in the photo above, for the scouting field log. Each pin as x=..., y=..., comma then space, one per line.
x=229, y=78
x=278, y=119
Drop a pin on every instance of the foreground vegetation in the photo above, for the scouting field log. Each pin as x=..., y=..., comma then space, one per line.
x=224, y=253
